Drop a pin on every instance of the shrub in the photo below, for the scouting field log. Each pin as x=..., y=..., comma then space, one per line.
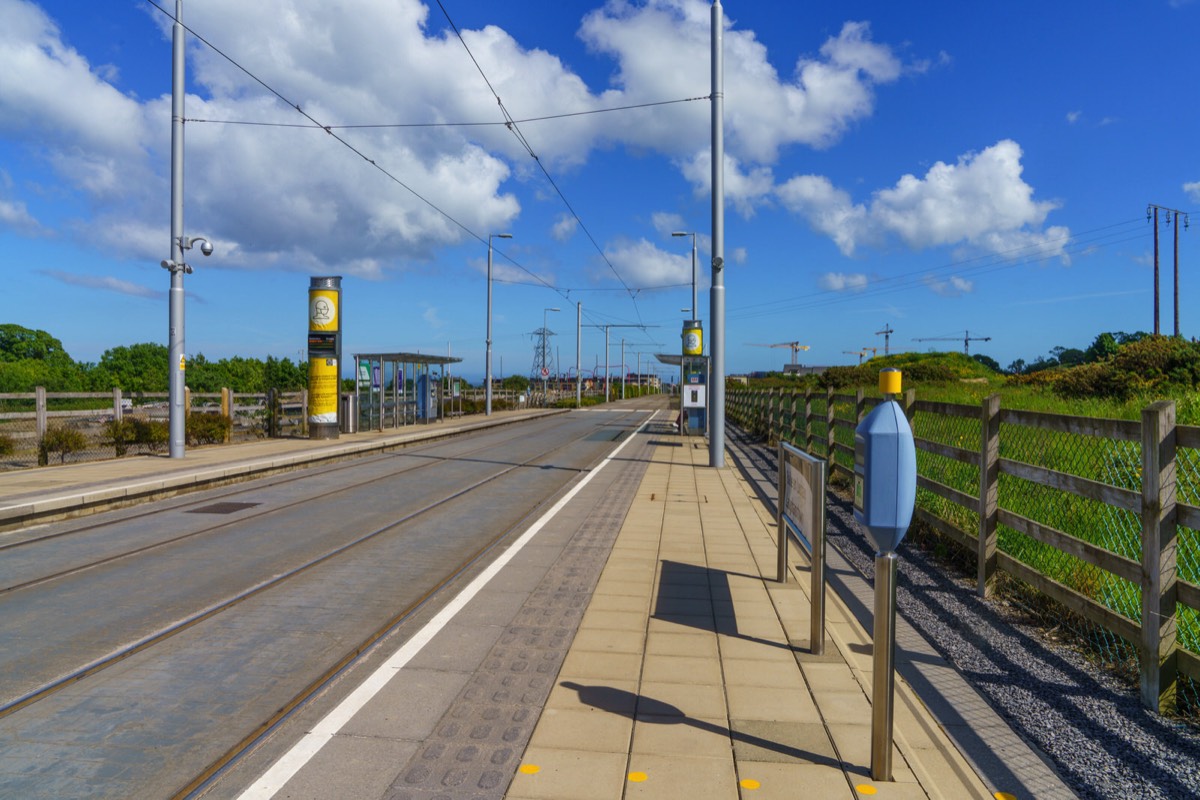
x=7, y=445
x=208, y=428
x=61, y=440
x=150, y=434
x=120, y=433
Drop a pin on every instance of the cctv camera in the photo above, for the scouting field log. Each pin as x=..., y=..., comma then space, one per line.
x=206, y=248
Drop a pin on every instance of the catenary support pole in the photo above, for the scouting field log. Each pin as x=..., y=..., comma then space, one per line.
x=578, y=355
x=716, y=434
x=176, y=412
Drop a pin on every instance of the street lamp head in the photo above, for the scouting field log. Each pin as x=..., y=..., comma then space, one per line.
x=680, y=233
x=554, y=309
x=502, y=235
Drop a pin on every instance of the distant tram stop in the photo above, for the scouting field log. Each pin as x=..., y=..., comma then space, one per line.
x=694, y=371
x=392, y=390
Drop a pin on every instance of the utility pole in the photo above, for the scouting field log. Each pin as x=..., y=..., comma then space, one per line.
x=886, y=333
x=716, y=431
x=1152, y=213
x=606, y=368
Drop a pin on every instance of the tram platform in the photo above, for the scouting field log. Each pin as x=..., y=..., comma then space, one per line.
x=667, y=663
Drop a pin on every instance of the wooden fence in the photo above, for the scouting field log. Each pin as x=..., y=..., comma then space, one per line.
x=1100, y=515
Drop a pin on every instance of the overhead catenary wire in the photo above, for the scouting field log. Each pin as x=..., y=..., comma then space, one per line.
x=352, y=148
x=514, y=127
x=387, y=125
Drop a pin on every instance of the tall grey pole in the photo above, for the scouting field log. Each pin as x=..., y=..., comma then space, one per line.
x=487, y=360
x=624, y=372
x=578, y=355
x=487, y=365
x=176, y=387
x=606, y=375
x=693, y=276
x=716, y=434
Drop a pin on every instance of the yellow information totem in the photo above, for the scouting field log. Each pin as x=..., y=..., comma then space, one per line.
x=324, y=356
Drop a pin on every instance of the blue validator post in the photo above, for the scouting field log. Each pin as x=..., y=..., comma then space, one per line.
x=885, y=491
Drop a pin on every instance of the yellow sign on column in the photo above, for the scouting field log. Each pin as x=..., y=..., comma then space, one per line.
x=322, y=390
x=322, y=310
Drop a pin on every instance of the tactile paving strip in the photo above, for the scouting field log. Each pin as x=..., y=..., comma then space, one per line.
x=475, y=748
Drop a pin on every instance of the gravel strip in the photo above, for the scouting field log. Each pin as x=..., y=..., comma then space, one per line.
x=1090, y=724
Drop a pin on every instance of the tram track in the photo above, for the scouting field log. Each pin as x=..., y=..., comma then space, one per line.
x=167, y=632
x=433, y=461
x=408, y=451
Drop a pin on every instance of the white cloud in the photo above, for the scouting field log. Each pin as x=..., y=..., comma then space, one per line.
x=1193, y=191
x=430, y=315
x=842, y=281
x=980, y=201
x=666, y=223
x=954, y=286
x=564, y=228
x=1073, y=116
x=644, y=265
x=15, y=215
x=294, y=199
x=105, y=283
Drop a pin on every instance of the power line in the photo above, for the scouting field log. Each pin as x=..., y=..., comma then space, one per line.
x=512, y=125
x=388, y=125
x=329, y=130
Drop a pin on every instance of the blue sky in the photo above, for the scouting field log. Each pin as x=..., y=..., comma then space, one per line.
x=981, y=168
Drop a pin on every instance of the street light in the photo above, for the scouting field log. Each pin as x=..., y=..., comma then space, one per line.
x=487, y=367
x=682, y=233
x=177, y=385
x=545, y=369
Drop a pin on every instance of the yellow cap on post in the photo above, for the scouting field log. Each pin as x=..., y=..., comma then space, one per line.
x=889, y=381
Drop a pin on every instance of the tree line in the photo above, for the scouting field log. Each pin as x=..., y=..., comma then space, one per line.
x=1102, y=348
x=31, y=358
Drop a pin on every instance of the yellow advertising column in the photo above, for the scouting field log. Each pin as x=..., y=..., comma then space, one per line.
x=324, y=356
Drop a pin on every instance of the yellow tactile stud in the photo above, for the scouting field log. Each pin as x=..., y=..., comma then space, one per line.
x=749, y=783
x=637, y=777
x=529, y=769
x=865, y=788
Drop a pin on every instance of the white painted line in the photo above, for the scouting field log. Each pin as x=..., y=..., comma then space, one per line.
x=294, y=760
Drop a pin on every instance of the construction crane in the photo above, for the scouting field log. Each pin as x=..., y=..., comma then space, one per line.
x=874, y=351
x=967, y=338
x=886, y=333
x=795, y=347
x=859, y=353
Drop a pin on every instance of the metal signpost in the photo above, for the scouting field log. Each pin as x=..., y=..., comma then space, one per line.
x=801, y=507
x=885, y=490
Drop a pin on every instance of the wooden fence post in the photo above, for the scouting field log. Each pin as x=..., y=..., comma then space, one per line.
x=1158, y=658
x=808, y=435
x=39, y=394
x=829, y=437
x=989, y=474
x=860, y=406
x=793, y=430
x=118, y=409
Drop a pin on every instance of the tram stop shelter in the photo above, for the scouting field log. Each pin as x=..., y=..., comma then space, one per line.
x=392, y=390
x=694, y=373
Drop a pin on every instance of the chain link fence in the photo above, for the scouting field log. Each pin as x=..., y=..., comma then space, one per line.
x=1109, y=530
x=49, y=428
